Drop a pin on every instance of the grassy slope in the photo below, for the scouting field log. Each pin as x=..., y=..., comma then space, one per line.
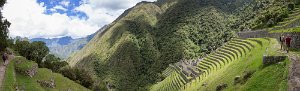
x=62, y=83
x=297, y=29
x=30, y=84
x=270, y=78
x=118, y=47
x=8, y=82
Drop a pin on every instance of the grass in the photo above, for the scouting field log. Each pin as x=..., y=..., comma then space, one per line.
x=270, y=78
x=62, y=83
x=30, y=84
x=219, y=62
x=297, y=29
x=9, y=78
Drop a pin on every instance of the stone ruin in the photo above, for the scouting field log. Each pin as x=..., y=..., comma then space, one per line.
x=27, y=72
x=46, y=83
x=188, y=67
x=31, y=72
x=268, y=60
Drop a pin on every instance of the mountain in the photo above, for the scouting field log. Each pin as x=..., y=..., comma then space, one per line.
x=65, y=46
x=133, y=50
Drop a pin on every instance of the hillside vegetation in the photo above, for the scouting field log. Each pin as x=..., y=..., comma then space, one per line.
x=15, y=78
x=236, y=66
x=134, y=50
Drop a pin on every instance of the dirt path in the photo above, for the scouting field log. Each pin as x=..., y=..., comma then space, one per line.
x=294, y=72
x=2, y=70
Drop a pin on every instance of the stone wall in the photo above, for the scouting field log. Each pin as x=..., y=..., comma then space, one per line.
x=263, y=33
x=268, y=60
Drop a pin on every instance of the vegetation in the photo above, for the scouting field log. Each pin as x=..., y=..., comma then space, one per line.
x=132, y=52
x=8, y=83
x=54, y=63
x=297, y=29
x=261, y=78
x=35, y=51
x=80, y=76
x=141, y=49
x=4, y=25
x=18, y=80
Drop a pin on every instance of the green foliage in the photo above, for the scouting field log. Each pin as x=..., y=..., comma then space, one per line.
x=4, y=25
x=80, y=76
x=54, y=63
x=35, y=51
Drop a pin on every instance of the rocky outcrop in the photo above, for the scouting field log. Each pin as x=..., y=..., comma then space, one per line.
x=32, y=71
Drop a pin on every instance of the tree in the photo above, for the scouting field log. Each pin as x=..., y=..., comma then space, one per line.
x=22, y=47
x=52, y=62
x=38, y=51
x=35, y=51
x=4, y=25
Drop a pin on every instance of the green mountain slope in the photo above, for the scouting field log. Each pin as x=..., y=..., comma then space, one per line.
x=132, y=52
x=236, y=65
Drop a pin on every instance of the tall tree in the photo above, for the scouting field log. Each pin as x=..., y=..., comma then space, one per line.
x=4, y=25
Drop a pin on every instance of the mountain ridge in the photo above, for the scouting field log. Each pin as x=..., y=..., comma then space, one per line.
x=65, y=46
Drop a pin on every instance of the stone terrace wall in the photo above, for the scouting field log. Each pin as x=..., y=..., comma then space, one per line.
x=268, y=60
x=263, y=33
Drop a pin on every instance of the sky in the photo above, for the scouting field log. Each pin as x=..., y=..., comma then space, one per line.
x=58, y=18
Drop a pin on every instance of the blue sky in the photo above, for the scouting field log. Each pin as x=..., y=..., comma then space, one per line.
x=59, y=18
x=68, y=6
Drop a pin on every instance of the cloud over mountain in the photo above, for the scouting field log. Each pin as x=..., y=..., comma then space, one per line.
x=57, y=18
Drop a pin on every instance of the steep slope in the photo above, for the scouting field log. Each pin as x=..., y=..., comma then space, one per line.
x=132, y=52
x=118, y=48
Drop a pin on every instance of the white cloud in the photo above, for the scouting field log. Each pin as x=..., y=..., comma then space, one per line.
x=58, y=7
x=28, y=18
x=103, y=11
x=65, y=3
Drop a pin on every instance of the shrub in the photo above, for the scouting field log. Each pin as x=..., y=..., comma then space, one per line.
x=68, y=72
x=221, y=87
x=242, y=80
x=35, y=51
x=80, y=76
x=52, y=62
x=237, y=80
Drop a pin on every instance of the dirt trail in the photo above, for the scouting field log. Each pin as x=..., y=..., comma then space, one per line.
x=294, y=72
x=2, y=69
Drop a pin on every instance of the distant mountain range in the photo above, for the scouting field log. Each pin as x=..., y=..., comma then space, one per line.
x=65, y=46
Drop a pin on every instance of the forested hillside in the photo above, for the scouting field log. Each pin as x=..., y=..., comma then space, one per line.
x=133, y=51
